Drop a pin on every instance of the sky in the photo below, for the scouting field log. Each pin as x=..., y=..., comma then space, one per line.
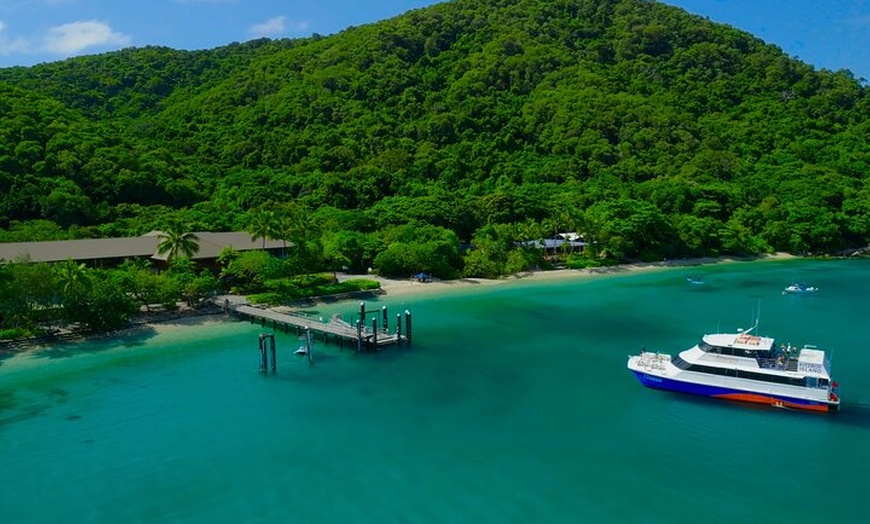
x=828, y=34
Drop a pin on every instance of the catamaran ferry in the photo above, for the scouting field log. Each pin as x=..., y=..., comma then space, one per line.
x=745, y=367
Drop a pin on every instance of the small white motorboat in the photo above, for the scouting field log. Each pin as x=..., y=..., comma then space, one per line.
x=799, y=288
x=306, y=348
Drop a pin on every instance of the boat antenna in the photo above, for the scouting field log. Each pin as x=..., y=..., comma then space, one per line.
x=758, y=315
x=757, y=318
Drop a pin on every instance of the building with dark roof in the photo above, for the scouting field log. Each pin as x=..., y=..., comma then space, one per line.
x=111, y=251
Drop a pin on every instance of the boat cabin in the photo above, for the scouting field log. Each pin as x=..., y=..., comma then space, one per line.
x=743, y=345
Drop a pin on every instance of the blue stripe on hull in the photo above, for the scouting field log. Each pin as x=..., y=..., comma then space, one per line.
x=668, y=384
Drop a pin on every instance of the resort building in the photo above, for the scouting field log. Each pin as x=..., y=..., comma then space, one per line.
x=112, y=251
x=561, y=242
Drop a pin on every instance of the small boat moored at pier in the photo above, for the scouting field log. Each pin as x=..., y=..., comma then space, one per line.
x=745, y=367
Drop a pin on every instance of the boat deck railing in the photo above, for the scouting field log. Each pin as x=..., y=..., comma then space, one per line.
x=778, y=363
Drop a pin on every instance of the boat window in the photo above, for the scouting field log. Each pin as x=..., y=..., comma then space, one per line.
x=680, y=363
x=707, y=348
x=730, y=372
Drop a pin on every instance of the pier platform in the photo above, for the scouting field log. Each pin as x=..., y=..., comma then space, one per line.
x=361, y=336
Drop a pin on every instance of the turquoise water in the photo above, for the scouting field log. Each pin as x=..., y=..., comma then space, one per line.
x=513, y=405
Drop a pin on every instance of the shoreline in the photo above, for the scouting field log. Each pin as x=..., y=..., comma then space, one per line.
x=410, y=287
x=158, y=323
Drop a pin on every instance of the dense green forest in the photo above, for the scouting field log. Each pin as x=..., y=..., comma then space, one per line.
x=480, y=123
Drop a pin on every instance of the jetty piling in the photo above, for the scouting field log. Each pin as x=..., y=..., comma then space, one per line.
x=399, y=328
x=267, y=346
x=368, y=336
x=386, y=327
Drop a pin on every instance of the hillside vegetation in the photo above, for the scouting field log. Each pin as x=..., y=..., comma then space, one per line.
x=653, y=132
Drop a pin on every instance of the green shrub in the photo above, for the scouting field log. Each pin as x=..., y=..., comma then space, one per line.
x=14, y=333
x=287, y=289
x=265, y=298
x=313, y=280
x=361, y=284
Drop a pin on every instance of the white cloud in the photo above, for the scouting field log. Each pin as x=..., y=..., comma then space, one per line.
x=11, y=45
x=68, y=39
x=276, y=26
x=271, y=27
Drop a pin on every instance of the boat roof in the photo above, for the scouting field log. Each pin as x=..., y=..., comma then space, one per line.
x=812, y=363
x=745, y=341
x=812, y=356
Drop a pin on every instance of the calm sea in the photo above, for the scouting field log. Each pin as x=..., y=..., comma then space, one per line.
x=513, y=405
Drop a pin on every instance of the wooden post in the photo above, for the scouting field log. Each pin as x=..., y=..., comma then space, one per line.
x=408, y=326
x=384, y=310
x=398, y=329
x=362, y=311
x=375, y=334
x=267, y=347
x=308, y=344
x=264, y=356
x=359, y=335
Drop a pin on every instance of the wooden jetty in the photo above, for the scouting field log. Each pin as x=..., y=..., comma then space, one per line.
x=364, y=337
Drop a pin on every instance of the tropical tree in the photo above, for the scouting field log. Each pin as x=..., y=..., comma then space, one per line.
x=263, y=224
x=143, y=284
x=72, y=277
x=177, y=241
x=107, y=306
x=34, y=294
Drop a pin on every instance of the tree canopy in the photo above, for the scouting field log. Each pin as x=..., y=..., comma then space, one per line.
x=661, y=132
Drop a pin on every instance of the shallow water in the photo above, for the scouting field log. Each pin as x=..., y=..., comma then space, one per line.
x=513, y=405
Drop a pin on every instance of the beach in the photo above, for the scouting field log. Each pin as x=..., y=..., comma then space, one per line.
x=411, y=286
x=156, y=322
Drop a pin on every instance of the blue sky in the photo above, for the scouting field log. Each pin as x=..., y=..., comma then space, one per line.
x=830, y=34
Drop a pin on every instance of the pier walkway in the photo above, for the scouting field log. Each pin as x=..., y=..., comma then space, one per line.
x=362, y=336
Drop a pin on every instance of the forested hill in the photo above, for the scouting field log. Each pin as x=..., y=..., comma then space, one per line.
x=655, y=132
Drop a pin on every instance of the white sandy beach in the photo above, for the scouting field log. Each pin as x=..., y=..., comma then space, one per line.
x=395, y=288
x=403, y=287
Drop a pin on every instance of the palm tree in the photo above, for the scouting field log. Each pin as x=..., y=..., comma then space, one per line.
x=288, y=227
x=75, y=281
x=177, y=241
x=566, y=220
x=72, y=277
x=262, y=224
